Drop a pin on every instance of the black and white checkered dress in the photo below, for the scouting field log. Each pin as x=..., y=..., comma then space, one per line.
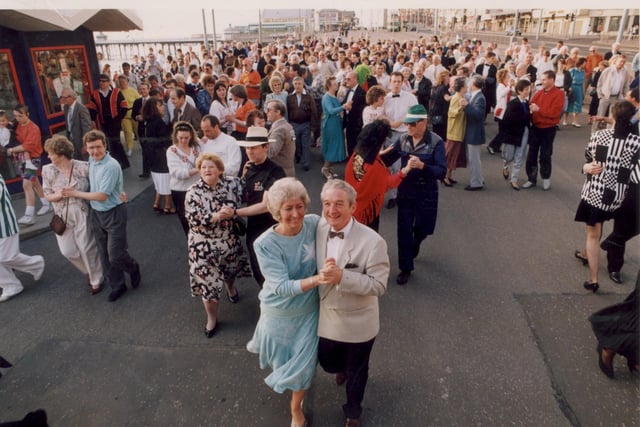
x=603, y=193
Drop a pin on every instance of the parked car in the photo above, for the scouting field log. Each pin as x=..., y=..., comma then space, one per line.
x=510, y=31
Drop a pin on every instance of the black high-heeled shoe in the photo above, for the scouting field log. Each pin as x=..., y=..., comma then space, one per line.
x=593, y=287
x=578, y=254
x=606, y=369
x=210, y=332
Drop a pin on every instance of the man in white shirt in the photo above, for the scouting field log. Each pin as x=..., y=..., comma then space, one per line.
x=223, y=145
x=434, y=69
x=613, y=84
x=396, y=105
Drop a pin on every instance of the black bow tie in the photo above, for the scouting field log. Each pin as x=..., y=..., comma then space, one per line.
x=396, y=96
x=338, y=234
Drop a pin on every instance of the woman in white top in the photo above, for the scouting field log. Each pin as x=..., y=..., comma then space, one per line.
x=375, y=105
x=544, y=63
x=503, y=94
x=221, y=107
x=181, y=159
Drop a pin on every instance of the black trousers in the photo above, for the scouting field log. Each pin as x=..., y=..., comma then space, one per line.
x=496, y=142
x=625, y=227
x=540, y=143
x=178, y=198
x=352, y=359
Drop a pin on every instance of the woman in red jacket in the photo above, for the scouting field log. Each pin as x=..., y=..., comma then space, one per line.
x=368, y=174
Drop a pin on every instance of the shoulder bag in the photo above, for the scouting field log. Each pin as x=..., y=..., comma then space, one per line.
x=57, y=224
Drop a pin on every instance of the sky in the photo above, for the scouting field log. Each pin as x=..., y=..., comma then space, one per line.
x=162, y=23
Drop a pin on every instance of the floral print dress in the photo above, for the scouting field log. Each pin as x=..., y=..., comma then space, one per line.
x=216, y=254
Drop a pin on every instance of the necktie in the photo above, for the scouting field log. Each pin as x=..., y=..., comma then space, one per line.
x=178, y=115
x=338, y=234
x=396, y=96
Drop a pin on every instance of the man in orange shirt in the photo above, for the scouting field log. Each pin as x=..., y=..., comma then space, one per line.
x=250, y=79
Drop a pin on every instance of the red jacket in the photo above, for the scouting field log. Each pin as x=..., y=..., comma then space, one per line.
x=551, y=104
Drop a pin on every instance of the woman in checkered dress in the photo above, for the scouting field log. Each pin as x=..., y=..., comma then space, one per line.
x=611, y=156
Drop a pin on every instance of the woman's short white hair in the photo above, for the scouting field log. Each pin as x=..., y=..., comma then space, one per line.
x=283, y=190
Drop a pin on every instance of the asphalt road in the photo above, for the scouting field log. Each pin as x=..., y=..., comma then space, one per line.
x=491, y=329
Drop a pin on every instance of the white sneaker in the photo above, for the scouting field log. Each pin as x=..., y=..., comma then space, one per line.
x=38, y=274
x=6, y=294
x=528, y=184
x=564, y=123
x=27, y=220
x=546, y=184
x=45, y=209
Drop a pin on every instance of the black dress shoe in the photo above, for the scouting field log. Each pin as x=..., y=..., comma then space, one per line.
x=143, y=175
x=403, y=277
x=117, y=293
x=615, y=277
x=135, y=277
x=391, y=204
x=305, y=168
x=470, y=188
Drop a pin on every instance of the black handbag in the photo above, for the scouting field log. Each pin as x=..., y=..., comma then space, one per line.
x=57, y=223
x=238, y=224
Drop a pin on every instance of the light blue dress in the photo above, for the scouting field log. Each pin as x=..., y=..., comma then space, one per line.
x=333, y=149
x=286, y=336
x=577, y=77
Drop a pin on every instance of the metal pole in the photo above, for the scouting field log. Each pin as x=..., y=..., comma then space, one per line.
x=260, y=26
x=215, y=37
x=515, y=28
x=539, y=25
x=204, y=27
x=436, y=23
x=623, y=24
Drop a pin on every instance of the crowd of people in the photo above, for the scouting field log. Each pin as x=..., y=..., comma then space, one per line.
x=221, y=133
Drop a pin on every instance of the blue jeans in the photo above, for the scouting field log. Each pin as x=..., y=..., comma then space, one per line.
x=302, y=132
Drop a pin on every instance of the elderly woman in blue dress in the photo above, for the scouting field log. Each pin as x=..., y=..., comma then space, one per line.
x=216, y=256
x=286, y=334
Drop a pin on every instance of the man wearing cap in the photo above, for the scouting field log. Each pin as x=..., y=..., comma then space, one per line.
x=282, y=149
x=474, y=135
x=259, y=174
x=396, y=105
x=223, y=145
x=108, y=107
x=423, y=151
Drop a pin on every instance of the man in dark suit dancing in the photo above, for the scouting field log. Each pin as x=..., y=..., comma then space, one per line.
x=488, y=70
x=354, y=103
